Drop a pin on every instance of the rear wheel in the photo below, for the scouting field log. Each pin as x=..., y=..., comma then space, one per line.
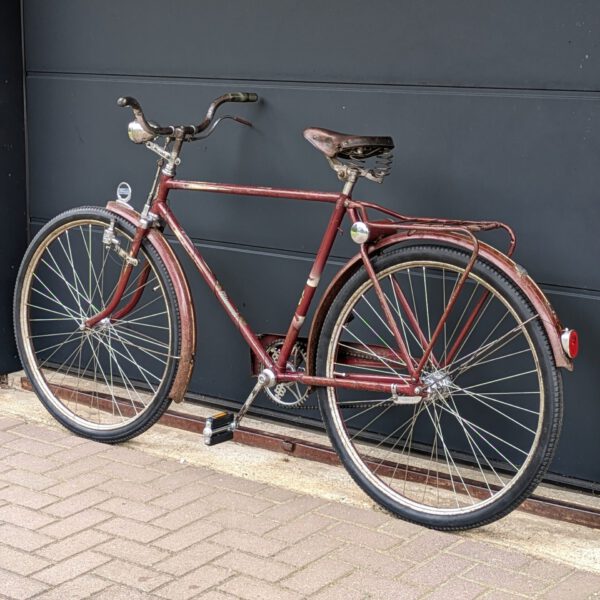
x=109, y=382
x=482, y=438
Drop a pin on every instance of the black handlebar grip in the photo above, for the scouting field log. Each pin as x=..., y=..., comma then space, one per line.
x=243, y=97
x=124, y=101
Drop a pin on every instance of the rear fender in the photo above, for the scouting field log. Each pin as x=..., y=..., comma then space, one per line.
x=184, y=299
x=511, y=270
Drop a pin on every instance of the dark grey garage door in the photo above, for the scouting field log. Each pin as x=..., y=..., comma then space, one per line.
x=493, y=107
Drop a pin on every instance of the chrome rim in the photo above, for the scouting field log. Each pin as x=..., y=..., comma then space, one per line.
x=108, y=376
x=470, y=442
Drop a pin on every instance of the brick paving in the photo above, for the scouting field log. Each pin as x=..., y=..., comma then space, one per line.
x=79, y=519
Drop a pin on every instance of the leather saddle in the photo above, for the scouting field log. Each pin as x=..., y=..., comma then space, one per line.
x=352, y=147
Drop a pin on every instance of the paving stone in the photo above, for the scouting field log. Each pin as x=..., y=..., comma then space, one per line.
x=32, y=447
x=339, y=592
x=23, y=563
x=254, y=589
x=358, y=516
x=300, y=528
x=216, y=595
x=139, y=492
x=576, y=586
x=238, y=502
x=20, y=537
x=191, y=558
x=293, y=509
x=367, y=537
x=372, y=560
x=120, y=592
x=37, y=432
x=74, y=544
x=9, y=422
x=379, y=587
x=19, y=587
x=511, y=581
x=70, y=440
x=141, y=554
x=78, y=484
x=400, y=528
x=493, y=555
x=187, y=536
x=124, y=472
x=4, y=452
x=182, y=496
x=85, y=449
x=171, y=465
x=546, y=570
x=194, y=583
x=16, y=494
x=437, y=570
x=183, y=516
x=180, y=478
x=30, y=462
x=76, y=503
x=255, y=567
x=81, y=587
x=130, y=509
x=88, y=464
x=317, y=575
x=503, y=595
x=128, y=455
x=277, y=494
x=425, y=545
x=78, y=522
x=24, y=517
x=132, y=530
x=132, y=575
x=248, y=542
x=236, y=484
x=7, y=436
x=231, y=519
x=458, y=588
x=28, y=479
x=308, y=550
x=71, y=567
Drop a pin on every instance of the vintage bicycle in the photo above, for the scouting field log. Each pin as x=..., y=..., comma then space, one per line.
x=434, y=357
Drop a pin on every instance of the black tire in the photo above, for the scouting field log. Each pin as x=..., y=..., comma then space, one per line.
x=114, y=379
x=456, y=437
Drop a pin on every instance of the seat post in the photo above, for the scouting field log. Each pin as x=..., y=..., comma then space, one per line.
x=349, y=182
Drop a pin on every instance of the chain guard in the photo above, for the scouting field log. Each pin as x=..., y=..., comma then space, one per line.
x=291, y=394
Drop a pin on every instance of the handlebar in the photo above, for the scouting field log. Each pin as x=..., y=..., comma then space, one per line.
x=186, y=131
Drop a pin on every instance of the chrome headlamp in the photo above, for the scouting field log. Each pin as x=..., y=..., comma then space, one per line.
x=137, y=134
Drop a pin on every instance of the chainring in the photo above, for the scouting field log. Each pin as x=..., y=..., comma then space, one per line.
x=289, y=394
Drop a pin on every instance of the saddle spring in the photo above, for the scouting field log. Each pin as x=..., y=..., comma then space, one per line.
x=380, y=165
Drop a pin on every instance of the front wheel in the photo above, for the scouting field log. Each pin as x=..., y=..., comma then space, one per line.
x=480, y=441
x=109, y=382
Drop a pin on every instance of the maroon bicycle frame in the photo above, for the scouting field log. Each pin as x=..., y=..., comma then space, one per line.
x=342, y=205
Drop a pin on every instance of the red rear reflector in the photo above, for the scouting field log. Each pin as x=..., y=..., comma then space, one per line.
x=570, y=342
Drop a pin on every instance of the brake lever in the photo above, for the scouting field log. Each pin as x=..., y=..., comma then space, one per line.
x=242, y=121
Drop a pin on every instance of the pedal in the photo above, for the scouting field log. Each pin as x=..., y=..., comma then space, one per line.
x=218, y=428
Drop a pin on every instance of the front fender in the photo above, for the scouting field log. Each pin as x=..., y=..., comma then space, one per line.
x=184, y=299
x=511, y=270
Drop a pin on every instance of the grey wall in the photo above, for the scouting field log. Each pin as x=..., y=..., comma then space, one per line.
x=12, y=174
x=493, y=107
